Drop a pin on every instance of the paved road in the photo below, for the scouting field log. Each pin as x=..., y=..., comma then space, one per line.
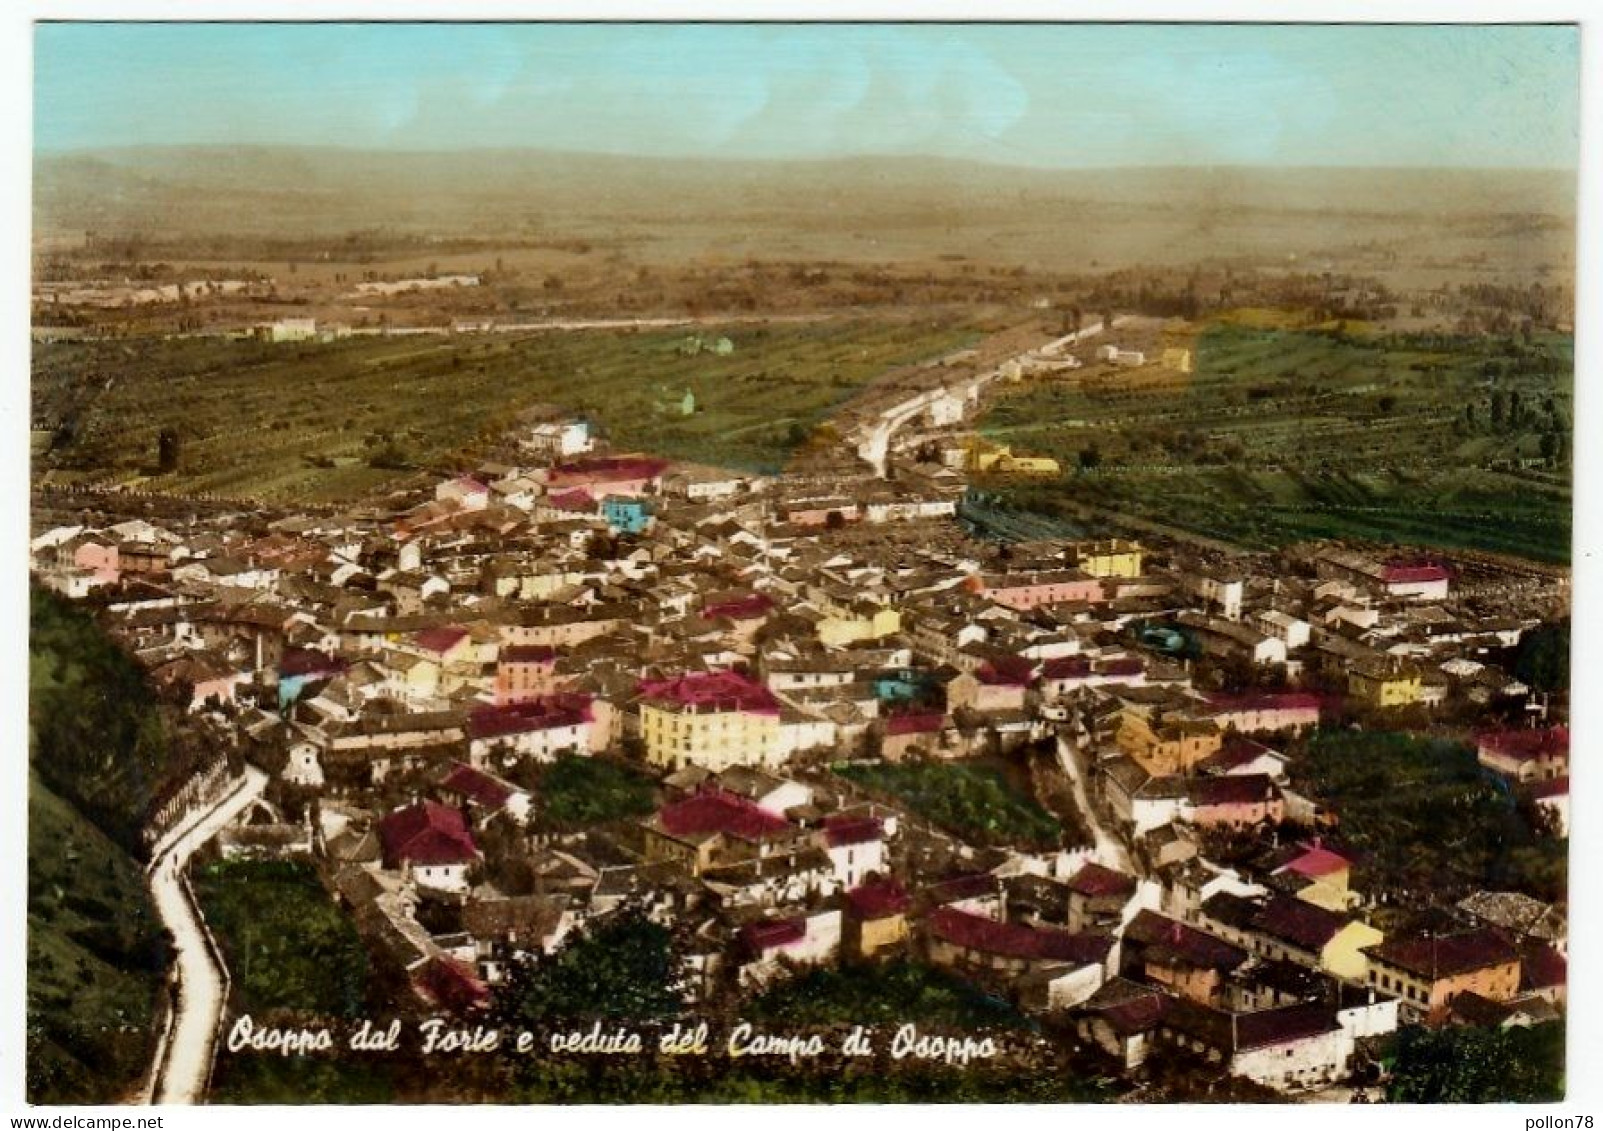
x=180, y=1077
x=1110, y=850
x=875, y=446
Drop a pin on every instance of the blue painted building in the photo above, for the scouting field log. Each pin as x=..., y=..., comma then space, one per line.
x=627, y=514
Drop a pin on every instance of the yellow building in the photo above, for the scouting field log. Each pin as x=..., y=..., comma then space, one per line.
x=1385, y=684
x=1343, y=956
x=869, y=622
x=1113, y=558
x=983, y=456
x=710, y=719
x=1171, y=747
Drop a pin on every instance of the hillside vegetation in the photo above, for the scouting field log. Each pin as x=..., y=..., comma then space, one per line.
x=96, y=948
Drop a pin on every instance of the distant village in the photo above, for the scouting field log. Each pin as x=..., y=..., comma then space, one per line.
x=405, y=674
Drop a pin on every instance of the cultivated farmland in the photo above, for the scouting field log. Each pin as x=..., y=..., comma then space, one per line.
x=1279, y=435
x=322, y=422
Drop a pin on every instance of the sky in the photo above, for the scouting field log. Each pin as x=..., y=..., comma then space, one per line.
x=1055, y=96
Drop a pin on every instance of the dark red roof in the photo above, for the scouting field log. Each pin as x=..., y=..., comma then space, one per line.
x=1016, y=940
x=1167, y=940
x=1528, y=745
x=439, y=640
x=526, y=654
x=1095, y=881
x=476, y=785
x=546, y=713
x=716, y=811
x=578, y=501
x=426, y=833
x=306, y=661
x=711, y=691
x=1401, y=573
x=1442, y=956
x=1233, y=789
x=1066, y=667
x=920, y=723
x=1553, y=787
x=841, y=830
x=1299, y=922
x=741, y=608
x=1541, y=967
x=759, y=937
x=1006, y=671
x=450, y=984
x=1126, y=665
x=608, y=469
x=878, y=899
x=967, y=885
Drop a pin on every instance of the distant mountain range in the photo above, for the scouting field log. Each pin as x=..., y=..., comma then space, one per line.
x=314, y=190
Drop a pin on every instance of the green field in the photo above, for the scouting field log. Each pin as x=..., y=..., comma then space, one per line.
x=288, y=947
x=325, y=422
x=972, y=801
x=1284, y=435
x=890, y=994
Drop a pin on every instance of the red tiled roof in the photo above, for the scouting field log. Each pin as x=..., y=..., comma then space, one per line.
x=1297, y=921
x=608, y=469
x=923, y=723
x=1317, y=862
x=1541, y=967
x=711, y=691
x=448, y=983
x=1095, y=881
x=716, y=811
x=578, y=501
x=1168, y=939
x=439, y=640
x=1434, y=957
x=1066, y=667
x=878, y=899
x=1006, y=671
x=840, y=831
x=426, y=833
x=1016, y=940
x=477, y=785
x=1405, y=573
x=548, y=713
x=1527, y=745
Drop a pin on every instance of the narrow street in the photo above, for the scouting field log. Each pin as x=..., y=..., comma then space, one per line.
x=1110, y=850
x=185, y=1059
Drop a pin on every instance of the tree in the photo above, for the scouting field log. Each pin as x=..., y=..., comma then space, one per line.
x=1543, y=661
x=1090, y=457
x=627, y=968
x=1471, y=1065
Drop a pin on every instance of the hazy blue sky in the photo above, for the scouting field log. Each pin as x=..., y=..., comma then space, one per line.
x=1040, y=95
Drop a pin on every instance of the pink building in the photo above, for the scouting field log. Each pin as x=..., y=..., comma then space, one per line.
x=1526, y=755
x=1029, y=590
x=1266, y=712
